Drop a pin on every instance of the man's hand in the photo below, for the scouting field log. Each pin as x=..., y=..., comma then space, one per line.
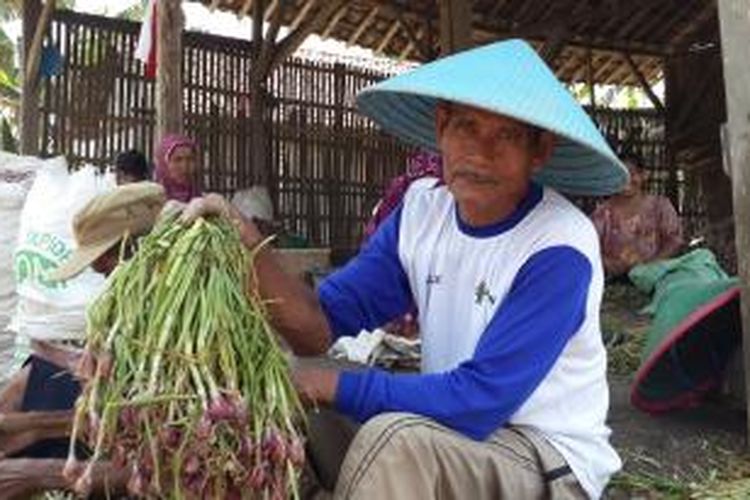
x=171, y=208
x=216, y=205
x=316, y=386
x=11, y=397
x=66, y=358
x=22, y=429
x=20, y=478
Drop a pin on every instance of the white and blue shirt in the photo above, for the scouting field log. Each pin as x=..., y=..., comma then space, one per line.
x=509, y=318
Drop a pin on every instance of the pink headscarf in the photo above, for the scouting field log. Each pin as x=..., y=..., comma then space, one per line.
x=176, y=189
x=421, y=163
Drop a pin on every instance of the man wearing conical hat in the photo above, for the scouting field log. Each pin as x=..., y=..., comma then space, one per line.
x=506, y=276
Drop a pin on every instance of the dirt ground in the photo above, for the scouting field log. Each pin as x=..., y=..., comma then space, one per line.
x=700, y=453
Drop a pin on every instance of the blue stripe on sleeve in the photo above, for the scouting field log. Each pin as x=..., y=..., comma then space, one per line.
x=372, y=289
x=545, y=306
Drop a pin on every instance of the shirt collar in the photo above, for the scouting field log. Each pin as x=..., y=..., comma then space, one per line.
x=531, y=200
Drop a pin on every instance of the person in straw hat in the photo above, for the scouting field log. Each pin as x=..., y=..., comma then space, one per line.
x=46, y=385
x=507, y=279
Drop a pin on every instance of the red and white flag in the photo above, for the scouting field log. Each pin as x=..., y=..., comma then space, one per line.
x=146, y=49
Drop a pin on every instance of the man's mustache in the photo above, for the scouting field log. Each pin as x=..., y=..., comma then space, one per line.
x=471, y=174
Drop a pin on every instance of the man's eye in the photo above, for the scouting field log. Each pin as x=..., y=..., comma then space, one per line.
x=463, y=124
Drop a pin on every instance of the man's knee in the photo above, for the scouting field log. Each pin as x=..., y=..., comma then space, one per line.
x=391, y=429
x=386, y=447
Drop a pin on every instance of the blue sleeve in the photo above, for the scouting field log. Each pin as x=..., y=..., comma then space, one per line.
x=543, y=309
x=372, y=289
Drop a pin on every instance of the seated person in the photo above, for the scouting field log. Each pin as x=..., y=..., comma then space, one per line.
x=45, y=386
x=635, y=227
x=421, y=163
x=131, y=166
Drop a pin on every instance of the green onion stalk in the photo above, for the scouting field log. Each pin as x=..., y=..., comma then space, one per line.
x=187, y=385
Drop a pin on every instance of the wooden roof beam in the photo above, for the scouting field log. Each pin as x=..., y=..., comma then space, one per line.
x=709, y=10
x=557, y=39
x=308, y=25
x=301, y=15
x=387, y=38
x=334, y=20
x=487, y=33
x=572, y=62
x=411, y=45
x=416, y=40
x=495, y=10
x=456, y=23
x=270, y=10
x=624, y=75
x=659, y=16
x=665, y=29
x=644, y=83
x=269, y=41
x=269, y=47
x=245, y=8
x=585, y=71
x=604, y=66
x=635, y=18
x=363, y=25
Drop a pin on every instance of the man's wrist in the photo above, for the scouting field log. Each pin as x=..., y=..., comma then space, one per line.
x=328, y=385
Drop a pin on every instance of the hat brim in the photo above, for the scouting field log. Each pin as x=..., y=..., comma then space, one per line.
x=81, y=258
x=688, y=358
x=514, y=82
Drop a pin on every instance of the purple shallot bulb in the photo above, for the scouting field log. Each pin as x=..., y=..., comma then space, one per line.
x=204, y=429
x=220, y=408
x=296, y=452
x=274, y=446
x=258, y=477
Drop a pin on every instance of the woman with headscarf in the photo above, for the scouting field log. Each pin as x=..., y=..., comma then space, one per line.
x=176, y=161
x=421, y=163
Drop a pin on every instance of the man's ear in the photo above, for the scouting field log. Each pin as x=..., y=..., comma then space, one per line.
x=544, y=148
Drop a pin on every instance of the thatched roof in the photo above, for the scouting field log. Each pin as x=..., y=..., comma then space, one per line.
x=604, y=37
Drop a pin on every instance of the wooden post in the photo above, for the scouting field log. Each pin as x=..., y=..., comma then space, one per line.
x=169, y=68
x=735, y=38
x=671, y=130
x=29, y=89
x=257, y=99
x=455, y=25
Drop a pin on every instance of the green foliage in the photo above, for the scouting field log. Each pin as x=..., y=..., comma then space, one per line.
x=10, y=9
x=7, y=141
x=7, y=49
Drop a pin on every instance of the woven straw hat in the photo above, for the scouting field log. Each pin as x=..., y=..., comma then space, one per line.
x=130, y=209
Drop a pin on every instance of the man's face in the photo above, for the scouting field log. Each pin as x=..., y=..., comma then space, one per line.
x=488, y=158
x=106, y=263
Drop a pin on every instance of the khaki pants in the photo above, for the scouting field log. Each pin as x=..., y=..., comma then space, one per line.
x=405, y=456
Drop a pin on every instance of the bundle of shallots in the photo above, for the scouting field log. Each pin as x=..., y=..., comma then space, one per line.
x=187, y=386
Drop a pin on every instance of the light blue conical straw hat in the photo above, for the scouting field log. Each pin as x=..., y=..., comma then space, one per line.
x=508, y=78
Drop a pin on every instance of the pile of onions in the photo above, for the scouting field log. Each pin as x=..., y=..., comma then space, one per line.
x=186, y=383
